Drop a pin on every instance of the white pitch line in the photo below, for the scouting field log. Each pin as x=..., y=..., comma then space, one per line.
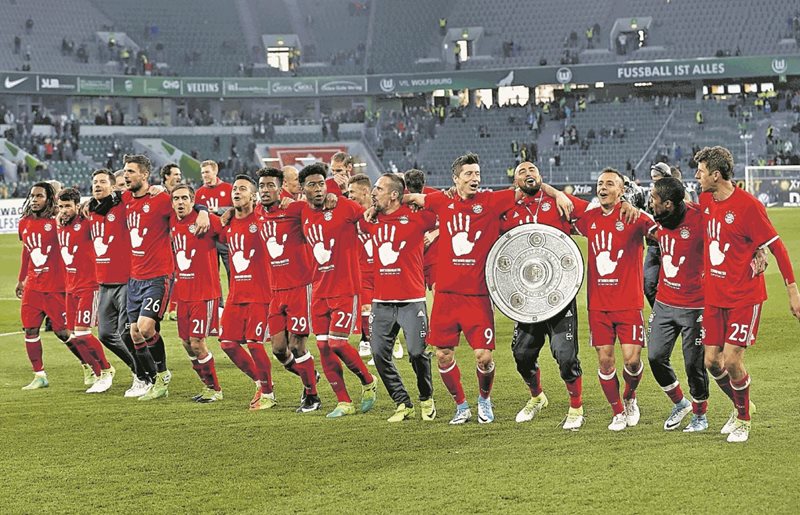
x=12, y=334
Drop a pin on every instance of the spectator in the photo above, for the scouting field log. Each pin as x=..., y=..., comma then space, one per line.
x=442, y=26
x=29, y=26
x=17, y=44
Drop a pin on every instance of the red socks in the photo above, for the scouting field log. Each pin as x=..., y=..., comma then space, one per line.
x=451, y=377
x=349, y=356
x=305, y=368
x=575, y=390
x=263, y=366
x=204, y=366
x=631, y=381
x=699, y=407
x=610, y=385
x=674, y=392
x=332, y=369
x=724, y=383
x=365, y=335
x=240, y=358
x=536, y=386
x=33, y=346
x=486, y=380
x=741, y=397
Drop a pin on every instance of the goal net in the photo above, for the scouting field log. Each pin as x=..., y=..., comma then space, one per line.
x=774, y=185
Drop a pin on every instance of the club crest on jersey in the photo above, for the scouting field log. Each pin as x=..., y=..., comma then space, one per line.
x=48, y=227
x=328, y=216
x=193, y=228
x=729, y=218
x=685, y=234
x=221, y=193
x=477, y=209
x=76, y=227
x=253, y=228
x=146, y=208
x=546, y=206
x=619, y=226
x=403, y=220
x=111, y=217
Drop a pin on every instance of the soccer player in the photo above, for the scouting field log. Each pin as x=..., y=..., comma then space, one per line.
x=415, y=183
x=536, y=206
x=170, y=176
x=678, y=307
x=736, y=226
x=41, y=280
x=148, y=218
x=216, y=194
x=112, y=255
x=399, y=298
x=291, y=186
x=75, y=242
x=461, y=302
x=245, y=318
x=331, y=234
x=652, y=258
x=615, y=295
x=290, y=266
x=196, y=288
x=359, y=191
x=119, y=181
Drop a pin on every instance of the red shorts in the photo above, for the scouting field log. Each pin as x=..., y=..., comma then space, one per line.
x=336, y=314
x=244, y=323
x=290, y=310
x=36, y=305
x=365, y=298
x=453, y=313
x=734, y=326
x=430, y=276
x=82, y=308
x=198, y=319
x=605, y=327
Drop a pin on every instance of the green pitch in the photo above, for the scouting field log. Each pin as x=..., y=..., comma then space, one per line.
x=66, y=451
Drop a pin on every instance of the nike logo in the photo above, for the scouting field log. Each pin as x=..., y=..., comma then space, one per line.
x=13, y=83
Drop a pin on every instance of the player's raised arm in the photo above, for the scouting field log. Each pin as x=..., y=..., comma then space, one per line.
x=418, y=199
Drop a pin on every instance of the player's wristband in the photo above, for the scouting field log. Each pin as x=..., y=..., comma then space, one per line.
x=200, y=207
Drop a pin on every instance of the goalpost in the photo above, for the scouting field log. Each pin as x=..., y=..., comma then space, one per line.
x=774, y=185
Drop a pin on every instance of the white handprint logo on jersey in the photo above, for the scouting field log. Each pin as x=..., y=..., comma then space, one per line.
x=315, y=238
x=459, y=230
x=134, y=219
x=213, y=205
x=181, y=259
x=366, y=240
x=384, y=240
x=270, y=233
x=602, y=249
x=66, y=255
x=34, y=245
x=98, y=239
x=667, y=255
x=715, y=254
x=237, y=251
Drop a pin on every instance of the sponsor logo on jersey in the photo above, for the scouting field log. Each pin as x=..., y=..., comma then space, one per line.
x=451, y=206
x=593, y=226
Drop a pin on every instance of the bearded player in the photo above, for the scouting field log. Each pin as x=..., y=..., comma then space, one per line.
x=196, y=288
x=461, y=302
x=736, y=225
x=615, y=294
x=75, y=242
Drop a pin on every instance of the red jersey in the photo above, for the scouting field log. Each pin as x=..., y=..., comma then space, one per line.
x=148, y=219
x=615, y=274
x=332, y=235
x=680, y=281
x=112, y=246
x=467, y=230
x=77, y=252
x=215, y=197
x=40, y=250
x=735, y=228
x=288, y=256
x=247, y=254
x=366, y=256
x=196, y=268
x=431, y=252
x=542, y=209
x=398, y=240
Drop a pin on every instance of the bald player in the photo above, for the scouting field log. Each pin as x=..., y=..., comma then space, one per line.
x=291, y=184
